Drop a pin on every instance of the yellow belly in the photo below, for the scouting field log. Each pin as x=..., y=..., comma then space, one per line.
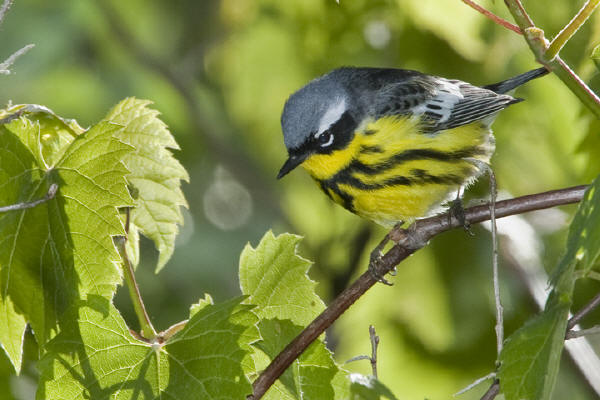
x=390, y=172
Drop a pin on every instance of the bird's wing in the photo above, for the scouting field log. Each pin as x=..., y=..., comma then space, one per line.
x=440, y=103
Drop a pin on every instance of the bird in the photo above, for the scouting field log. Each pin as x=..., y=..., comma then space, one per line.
x=393, y=145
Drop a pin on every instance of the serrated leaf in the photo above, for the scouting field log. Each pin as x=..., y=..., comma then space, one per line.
x=155, y=174
x=61, y=250
x=96, y=357
x=310, y=376
x=275, y=277
x=55, y=133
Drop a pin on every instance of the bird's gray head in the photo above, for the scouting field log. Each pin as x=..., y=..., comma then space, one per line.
x=316, y=119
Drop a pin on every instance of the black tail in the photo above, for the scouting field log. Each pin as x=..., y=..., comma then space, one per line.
x=510, y=84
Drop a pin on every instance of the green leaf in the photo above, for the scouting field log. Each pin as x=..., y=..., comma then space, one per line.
x=96, y=356
x=531, y=356
x=275, y=278
x=12, y=331
x=155, y=174
x=6, y=373
x=368, y=388
x=583, y=241
x=60, y=250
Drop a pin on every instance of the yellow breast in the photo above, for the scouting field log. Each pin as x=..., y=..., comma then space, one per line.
x=391, y=172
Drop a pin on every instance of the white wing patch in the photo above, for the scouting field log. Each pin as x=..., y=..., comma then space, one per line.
x=446, y=96
x=332, y=115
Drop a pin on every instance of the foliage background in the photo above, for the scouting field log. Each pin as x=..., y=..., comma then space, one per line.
x=220, y=71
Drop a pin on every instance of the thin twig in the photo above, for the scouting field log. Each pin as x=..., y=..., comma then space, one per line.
x=537, y=43
x=4, y=67
x=499, y=328
x=373, y=359
x=146, y=327
x=475, y=383
x=492, y=392
x=583, y=312
x=569, y=30
x=408, y=241
x=594, y=330
x=374, y=345
x=30, y=204
x=4, y=9
x=498, y=20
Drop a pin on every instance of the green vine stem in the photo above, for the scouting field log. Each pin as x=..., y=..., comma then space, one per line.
x=146, y=328
x=573, y=26
x=539, y=45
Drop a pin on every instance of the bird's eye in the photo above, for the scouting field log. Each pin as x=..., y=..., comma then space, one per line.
x=325, y=139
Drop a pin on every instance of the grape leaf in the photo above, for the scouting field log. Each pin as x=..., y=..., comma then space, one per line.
x=275, y=279
x=97, y=357
x=531, y=356
x=155, y=174
x=61, y=250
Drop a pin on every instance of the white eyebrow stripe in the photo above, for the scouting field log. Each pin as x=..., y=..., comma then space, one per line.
x=332, y=115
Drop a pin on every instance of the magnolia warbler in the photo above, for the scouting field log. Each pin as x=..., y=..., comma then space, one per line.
x=393, y=145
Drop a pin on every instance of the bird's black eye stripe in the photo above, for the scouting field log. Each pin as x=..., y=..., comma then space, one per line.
x=342, y=131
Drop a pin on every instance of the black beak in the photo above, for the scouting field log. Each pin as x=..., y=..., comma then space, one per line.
x=292, y=162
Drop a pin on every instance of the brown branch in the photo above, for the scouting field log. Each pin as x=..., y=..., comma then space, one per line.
x=407, y=242
x=492, y=392
x=583, y=312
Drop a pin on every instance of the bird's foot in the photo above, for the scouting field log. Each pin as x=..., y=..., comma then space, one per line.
x=457, y=211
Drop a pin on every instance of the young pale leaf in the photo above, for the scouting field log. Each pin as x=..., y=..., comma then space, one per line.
x=275, y=278
x=531, y=357
x=60, y=250
x=155, y=174
x=96, y=356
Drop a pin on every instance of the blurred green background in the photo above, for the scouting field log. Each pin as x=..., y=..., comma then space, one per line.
x=220, y=71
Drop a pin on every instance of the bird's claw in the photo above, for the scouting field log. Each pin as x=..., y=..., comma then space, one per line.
x=375, y=267
x=458, y=211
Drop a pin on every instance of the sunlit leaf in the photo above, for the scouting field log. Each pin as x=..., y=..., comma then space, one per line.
x=96, y=357
x=155, y=174
x=61, y=250
x=275, y=277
